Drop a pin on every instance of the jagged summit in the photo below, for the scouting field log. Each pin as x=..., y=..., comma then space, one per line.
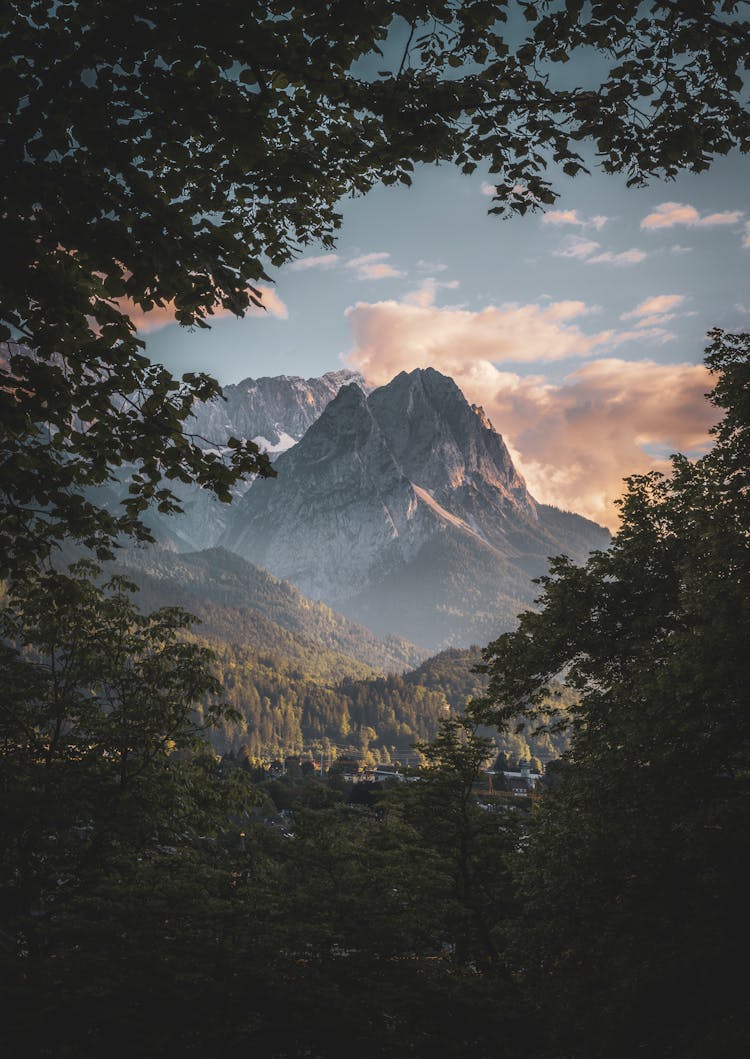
x=407, y=487
x=275, y=411
x=443, y=444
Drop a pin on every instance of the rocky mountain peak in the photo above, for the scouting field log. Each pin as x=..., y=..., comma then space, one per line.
x=443, y=443
x=346, y=425
x=274, y=411
x=403, y=507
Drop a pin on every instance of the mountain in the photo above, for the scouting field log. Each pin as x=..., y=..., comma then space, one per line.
x=238, y=603
x=403, y=510
x=274, y=412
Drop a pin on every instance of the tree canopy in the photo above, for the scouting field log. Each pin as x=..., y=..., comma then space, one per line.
x=636, y=874
x=158, y=154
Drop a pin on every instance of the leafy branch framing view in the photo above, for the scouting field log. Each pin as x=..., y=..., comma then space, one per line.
x=164, y=155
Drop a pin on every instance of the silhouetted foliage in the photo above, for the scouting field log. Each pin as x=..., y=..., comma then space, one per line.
x=635, y=875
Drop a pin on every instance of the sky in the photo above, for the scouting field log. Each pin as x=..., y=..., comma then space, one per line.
x=580, y=331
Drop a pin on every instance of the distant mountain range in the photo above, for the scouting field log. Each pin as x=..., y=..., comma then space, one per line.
x=399, y=508
x=274, y=412
x=302, y=678
x=397, y=526
x=403, y=510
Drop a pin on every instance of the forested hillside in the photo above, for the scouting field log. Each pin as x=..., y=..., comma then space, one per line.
x=239, y=602
x=318, y=703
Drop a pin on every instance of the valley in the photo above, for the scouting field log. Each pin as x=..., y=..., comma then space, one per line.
x=344, y=599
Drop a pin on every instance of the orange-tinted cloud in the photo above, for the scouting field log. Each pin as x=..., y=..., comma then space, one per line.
x=389, y=333
x=324, y=261
x=581, y=249
x=163, y=315
x=669, y=214
x=373, y=266
x=574, y=441
x=558, y=217
x=659, y=303
x=626, y=257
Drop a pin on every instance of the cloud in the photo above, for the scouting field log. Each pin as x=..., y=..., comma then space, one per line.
x=561, y=217
x=582, y=249
x=378, y=271
x=518, y=189
x=669, y=214
x=558, y=217
x=726, y=217
x=659, y=303
x=746, y=236
x=577, y=247
x=324, y=261
x=424, y=293
x=575, y=440
x=163, y=315
x=373, y=266
x=626, y=257
x=389, y=333
x=271, y=302
x=654, y=312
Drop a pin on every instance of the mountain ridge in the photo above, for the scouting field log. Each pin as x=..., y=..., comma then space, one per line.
x=408, y=480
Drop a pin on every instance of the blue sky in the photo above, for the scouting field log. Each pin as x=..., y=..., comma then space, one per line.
x=580, y=331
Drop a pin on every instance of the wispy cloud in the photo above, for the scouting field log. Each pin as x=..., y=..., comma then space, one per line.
x=670, y=214
x=324, y=261
x=657, y=304
x=577, y=247
x=746, y=237
x=373, y=266
x=561, y=217
x=626, y=257
x=424, y=294
x=590, y=252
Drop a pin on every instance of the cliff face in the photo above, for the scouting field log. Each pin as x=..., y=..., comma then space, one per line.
x=403, y=508
x=273, y=412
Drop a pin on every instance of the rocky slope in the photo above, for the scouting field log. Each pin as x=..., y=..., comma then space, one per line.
x=403, y=509
x=273, y=412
